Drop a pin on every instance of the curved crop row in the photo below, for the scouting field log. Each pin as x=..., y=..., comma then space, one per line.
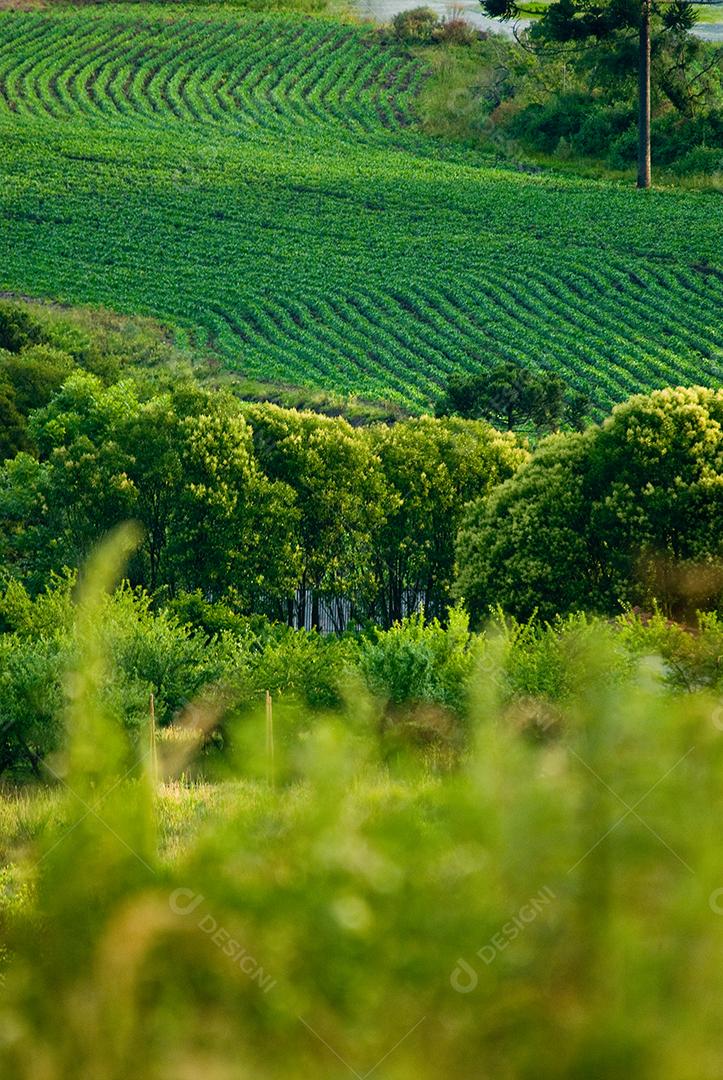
x=260, y=182
x=273, y=73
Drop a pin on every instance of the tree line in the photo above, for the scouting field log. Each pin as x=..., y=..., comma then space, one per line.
x=271, y=508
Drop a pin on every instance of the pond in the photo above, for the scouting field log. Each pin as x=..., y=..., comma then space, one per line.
x=385, y=10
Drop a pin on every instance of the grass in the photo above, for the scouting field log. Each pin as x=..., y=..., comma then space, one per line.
x=261, y=185
x=709, y=13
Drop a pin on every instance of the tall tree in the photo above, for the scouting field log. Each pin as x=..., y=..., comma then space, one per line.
x=592, y=519
x=610, y=22
x=182, y=464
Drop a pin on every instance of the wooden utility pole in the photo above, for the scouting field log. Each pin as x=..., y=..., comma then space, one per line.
x=644, y=97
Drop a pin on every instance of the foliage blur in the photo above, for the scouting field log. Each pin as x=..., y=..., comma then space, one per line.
x=547, y=906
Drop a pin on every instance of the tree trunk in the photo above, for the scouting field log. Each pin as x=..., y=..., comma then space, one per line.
x=644, y=97
x=301, y=607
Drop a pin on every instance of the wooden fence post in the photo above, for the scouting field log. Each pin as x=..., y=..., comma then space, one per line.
x=153, y=760
x=270, y=740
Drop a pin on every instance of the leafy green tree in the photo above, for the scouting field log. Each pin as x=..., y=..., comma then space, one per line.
x=181, y=464
x=526, y=546
x=656, y=476
x=341, y=495
x=232, y=528
x=512, y=396
x=587, y=521
x=13, y=430
x=433, y=468
x=85, y=486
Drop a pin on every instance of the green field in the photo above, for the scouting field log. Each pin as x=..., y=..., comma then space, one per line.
x=260, y=183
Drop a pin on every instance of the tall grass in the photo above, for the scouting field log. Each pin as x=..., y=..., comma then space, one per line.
x=550, y=906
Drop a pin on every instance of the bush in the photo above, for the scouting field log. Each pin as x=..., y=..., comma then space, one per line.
x=18, y=327
x=455, y=31
x=35, y=374
x=600, y=128
x=542, y=126
x=31, y=700
x=420, y=674
x=153, y=652
x=147, y=652
x=624, y=149
x=703, y=159
x=218, y=617
x=13, y=430
x=301, y=665
x=692, y=656
x=415, y=27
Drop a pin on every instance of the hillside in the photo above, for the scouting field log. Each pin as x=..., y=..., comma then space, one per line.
x=259, y=183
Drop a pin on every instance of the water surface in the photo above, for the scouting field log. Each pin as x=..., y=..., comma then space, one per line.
x=385, y=10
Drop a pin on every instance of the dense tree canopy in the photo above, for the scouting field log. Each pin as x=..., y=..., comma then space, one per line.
x=512, y=396
x=310, y=520
x=275, y=510
x=588, y=522
x=435, y=469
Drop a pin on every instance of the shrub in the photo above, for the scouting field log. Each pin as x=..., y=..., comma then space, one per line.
x=301, y=665
x=417, y=663
x=455, y=31
x=542, y=126
x=35, y=374
x=13, y=430
x=600, y=128
x=30, y=701
x=692, y=655
x=703, y=159
x=153, y=652
x=18, y=327
x=415, y=27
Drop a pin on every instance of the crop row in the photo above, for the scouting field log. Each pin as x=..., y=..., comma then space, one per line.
x=259, y=182
x=271, y=73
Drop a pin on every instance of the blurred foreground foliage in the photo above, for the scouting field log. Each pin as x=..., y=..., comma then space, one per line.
x=546, y=905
